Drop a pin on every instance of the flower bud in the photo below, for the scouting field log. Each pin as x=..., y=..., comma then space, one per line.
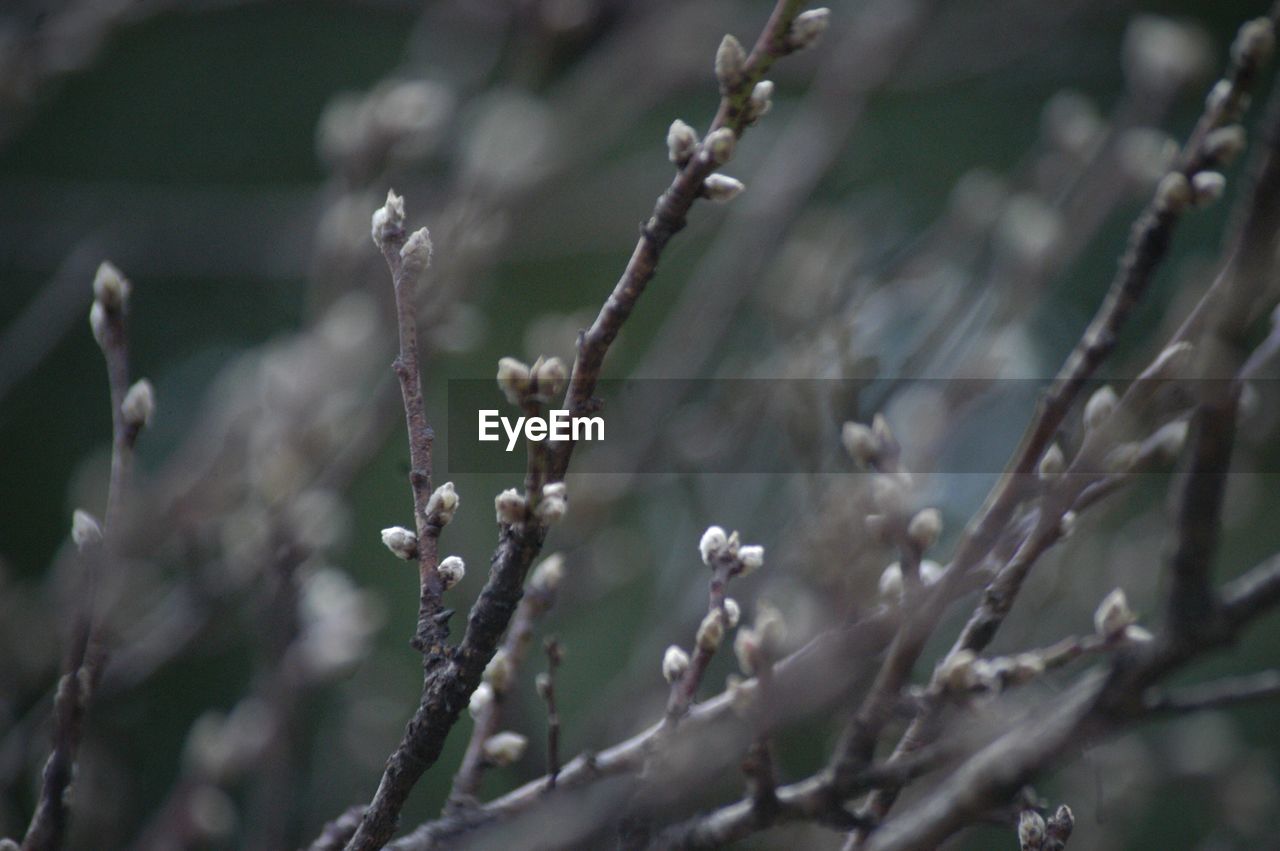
x=481, y=700
x=722, y=188
x=861, y=444
x=443, y=504
x=542, y=684
x=714, y=541
x=1113, y=615
x=85, y=529
x=746, y=647
x=888, y=494
x=674, y=664
x=139, y=404
x=552, y=509
x=770, y=628
x=730, y=61
x=499, y=672
x=549, y=377
x=514, y=380
x=1052, y=463
x=1225, y=144
x=682, y=141
x=1254, y=43
x=732, y=612
x=711, y=632
x=415, y=254
x=110, y=287
x=505, y=748
x=548, y=575
x=98, y=322
x=892, y=587
x=451, y=571
x=1030, y=830
x=720, y=144
x=925, y=528
x=931, y=572
x=956, y=673
x=761, y=100
x=1173, y=193
x=808, y=27
x=1207, y=187
x=509, y=506
x=751, y=557
x=388, y=220
x=1101, y=405
x=402, y=543
x=1058, y=831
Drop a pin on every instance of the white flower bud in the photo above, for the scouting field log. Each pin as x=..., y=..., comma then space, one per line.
x=416, y=252
x=549, y=377
x=892, y=586
x=682, y=141
x=549, y=573
x=1225, y=144
x=861, y=443
x=1030, y=830
x=674, y=664
x=551, y=510
x=931, y=572
x=710, y=632
x=481, y=700
x=505, y=748
x=1101, y=405
x=722, y=188
x=956, y=673
x=499, y=672
x=746, y=646
x=1060, y=827
x=1113, y=615
x=751, y=557
x=1052, y=463
x=98, y=322
x=509, y=506
x=110, y=288
x=808, y=27
x=555, y=490
x=925, y=528
x=1024, y=668
x=1067, y=524
x=770, y=628
x=1254, y=43
x=714, y=541
x=513, y=380
x=730, y=61
x=402, y=543
x=732, y=612
x=761, y=99
x=139, y=404
x=1173, y=193
x=443, y=503
x=388, y=220
x=85, y=529
x=1207, y=187
x=451, y=571
x=542, y=685
x=720, y=144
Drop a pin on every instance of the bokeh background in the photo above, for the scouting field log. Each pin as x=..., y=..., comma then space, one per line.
x=914, y=204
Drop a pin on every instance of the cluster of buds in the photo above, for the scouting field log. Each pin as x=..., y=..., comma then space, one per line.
x=1114, y=621
x=870, y=446
x=762, y=642
x=963, y=671
x=721, y=549
x=554, y=503
x=1175, y=193
x=540, y=383
x=893, y=586
x=712, y=629
x=110, y=300
x=1037, y=834
x=442, y=505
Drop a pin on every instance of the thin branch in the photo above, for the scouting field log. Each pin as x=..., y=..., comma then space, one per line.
x=1219, y=694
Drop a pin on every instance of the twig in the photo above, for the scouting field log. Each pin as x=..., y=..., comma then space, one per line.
x=547, y=690
x=1219, y=694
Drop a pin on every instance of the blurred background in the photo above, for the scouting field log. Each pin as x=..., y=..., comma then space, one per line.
x=940, y=190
